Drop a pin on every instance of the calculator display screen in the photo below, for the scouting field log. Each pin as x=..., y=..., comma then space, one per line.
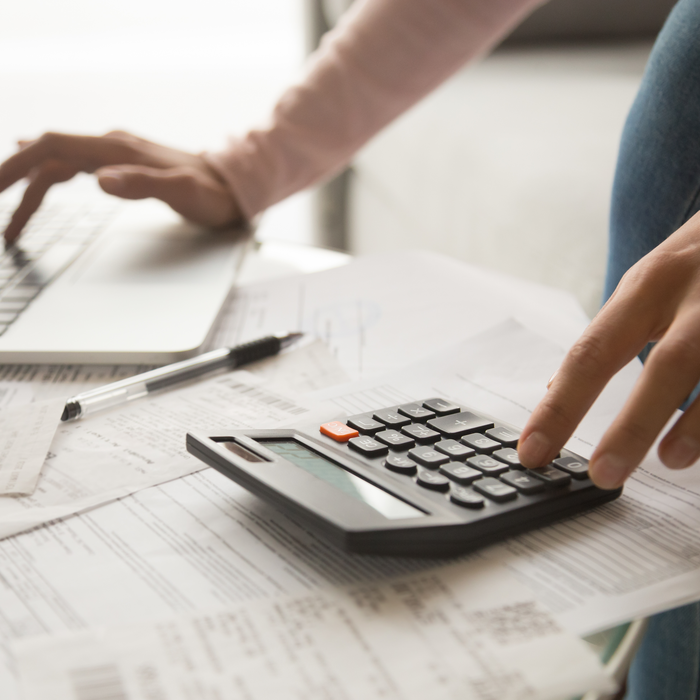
x=333, y=474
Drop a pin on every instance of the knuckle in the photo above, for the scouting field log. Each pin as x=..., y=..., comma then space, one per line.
x=680, y=353
x=633, y=432
x=553, y=413
x=188, y=180
x=588, y=357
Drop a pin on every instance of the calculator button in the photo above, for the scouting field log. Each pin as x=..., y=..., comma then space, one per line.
x=454, y=449
x=402, y=465
x=576, y=466
x=395, y=439
x=487, y=464
x=420, y=433
x=391, y=418
x=338, y=431
x=428, y=457
x=480, y=443
x=368, y=446
x=551, y=475
x=506, y=436
x=524, y=482
x=508, y=455
x=495, y=490
x=441, y=406
x=416, y=412
x=432, y=480
x=365, y=424
x=465, y=497
x=461, y=473
x=460, y=424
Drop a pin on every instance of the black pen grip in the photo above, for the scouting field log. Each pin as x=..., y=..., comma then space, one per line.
x=255, y=350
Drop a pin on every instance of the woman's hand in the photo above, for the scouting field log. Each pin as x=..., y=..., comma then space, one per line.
x=125, y=166
x=658, y=299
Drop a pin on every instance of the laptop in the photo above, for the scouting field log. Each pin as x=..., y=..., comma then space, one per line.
x=119, y=283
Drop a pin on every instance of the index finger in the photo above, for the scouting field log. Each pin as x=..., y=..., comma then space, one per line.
x=86, y=153
x=614, y=337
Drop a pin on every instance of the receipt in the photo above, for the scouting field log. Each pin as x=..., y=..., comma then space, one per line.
x=26, y=433
x=464, y=631
x=117, y=452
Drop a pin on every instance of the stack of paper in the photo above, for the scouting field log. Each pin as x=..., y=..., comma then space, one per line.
x=172, y=541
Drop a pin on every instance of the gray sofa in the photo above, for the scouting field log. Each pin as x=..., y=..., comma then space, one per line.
x=510, y=163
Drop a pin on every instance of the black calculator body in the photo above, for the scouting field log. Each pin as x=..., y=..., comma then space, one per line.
x=428, y=478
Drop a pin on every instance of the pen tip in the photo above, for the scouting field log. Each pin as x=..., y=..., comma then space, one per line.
x=288, y=338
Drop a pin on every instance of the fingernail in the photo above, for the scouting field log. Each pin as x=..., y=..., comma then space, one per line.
x=111, y=179
x=534, y=450
x=608, y=471
x=681, y=452
x=551, y=379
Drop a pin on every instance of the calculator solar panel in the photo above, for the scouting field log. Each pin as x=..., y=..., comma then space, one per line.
x=426, y=478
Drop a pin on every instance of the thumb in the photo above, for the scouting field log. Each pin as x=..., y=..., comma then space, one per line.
x=190, y=192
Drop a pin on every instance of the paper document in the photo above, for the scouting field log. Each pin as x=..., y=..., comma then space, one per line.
x=390, y=310
x=26, y=433
x=467, y=632
x=114, y=453
x=629, y=558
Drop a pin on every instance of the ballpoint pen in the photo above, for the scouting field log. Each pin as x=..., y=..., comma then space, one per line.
x=143, y=384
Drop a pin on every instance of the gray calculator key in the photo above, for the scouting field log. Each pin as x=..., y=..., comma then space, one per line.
x=7, y=316
x=459, y=424
x=392, y=419
x=551, y=475
x=495, y=490
x=368, y=446
x=416, y=412
x=576, y=466
x=480, y=443
x=428, y=457
x=3, y=328
x=509, y=456
x=487, y=464
x=400, y=464
x=524, y=482
x=441, y=406
x=395, y=439
x=432, y=480
x=506, y=436
x=420, y=433
x=365, y=424
x=461, y=473
x=454, y=449
x=465, y=497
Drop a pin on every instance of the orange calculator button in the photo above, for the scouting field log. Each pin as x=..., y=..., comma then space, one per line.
x=338, y=431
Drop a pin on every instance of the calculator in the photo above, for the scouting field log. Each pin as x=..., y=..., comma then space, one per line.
x=426, y=478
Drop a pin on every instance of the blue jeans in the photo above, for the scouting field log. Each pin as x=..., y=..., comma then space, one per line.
x=657, y=189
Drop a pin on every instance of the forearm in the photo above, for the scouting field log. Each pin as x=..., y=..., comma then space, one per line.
x=382, y=58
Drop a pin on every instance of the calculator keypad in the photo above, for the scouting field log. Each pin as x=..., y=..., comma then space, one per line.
x=428, y=457
x=454, y=449
x=395, y=439
x=420, y=433
x=459, y=424
x=461, y=456
x=368, y=446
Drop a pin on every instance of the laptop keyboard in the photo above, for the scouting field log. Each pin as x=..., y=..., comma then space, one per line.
x=55, y=236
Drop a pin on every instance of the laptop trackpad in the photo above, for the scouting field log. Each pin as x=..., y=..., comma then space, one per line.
x=176, y=254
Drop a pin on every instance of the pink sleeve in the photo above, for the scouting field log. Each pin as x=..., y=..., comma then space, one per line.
x=380, y=60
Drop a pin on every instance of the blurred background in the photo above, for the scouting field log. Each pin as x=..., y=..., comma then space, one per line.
x=508, y=165
x=184, y=73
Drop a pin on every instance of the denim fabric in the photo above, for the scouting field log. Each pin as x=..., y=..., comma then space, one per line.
x=657, y=181
x=657, y=189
